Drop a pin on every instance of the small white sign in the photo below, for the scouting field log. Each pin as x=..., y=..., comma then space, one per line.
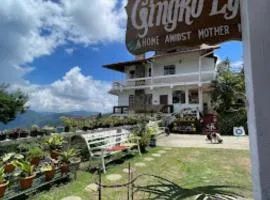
x=239, y=131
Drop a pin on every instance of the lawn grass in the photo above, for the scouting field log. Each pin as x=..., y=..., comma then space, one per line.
x=182, y=173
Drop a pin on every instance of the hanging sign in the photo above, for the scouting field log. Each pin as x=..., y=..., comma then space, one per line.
x=167, y=24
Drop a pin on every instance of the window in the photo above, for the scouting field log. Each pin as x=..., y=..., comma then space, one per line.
x=169, y=70
x=193, y=97
x=179, y=97
x=131, y=74
x=131, y=100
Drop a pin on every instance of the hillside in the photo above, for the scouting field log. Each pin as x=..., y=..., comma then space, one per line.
x=31, y=117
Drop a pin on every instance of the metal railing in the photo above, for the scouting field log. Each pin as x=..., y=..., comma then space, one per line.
x=177, y=79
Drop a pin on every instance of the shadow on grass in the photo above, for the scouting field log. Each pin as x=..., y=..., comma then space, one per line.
x=167, y=190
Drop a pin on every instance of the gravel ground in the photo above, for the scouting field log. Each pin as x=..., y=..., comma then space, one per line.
x=178, y=140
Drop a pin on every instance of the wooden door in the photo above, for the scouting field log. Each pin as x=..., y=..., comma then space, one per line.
x=163, y=99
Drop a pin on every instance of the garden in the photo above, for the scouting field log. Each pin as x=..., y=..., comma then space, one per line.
x=35, y=165
x=168, y=173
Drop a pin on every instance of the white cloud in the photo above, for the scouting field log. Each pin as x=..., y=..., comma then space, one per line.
x=74, y=91
x=70, y=51
x=95, y=49
x=34, y=28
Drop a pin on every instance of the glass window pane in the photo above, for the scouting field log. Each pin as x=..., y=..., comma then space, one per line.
x=193, y=97
x=179, y=97
x=169, y=70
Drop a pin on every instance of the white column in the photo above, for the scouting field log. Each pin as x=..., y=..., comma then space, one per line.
x=256, y=29
x=186, y=94
x=200, y=92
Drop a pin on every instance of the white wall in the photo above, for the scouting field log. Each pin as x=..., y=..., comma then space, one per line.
x=186, y=63
x=123, y=97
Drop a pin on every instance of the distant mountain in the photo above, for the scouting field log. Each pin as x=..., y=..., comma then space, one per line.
x=31, y=117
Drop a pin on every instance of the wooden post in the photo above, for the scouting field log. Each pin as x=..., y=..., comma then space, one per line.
x=99, y=187
x=256, y=29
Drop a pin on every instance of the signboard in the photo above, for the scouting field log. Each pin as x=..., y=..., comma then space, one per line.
x=166, y=24
x=239, y=131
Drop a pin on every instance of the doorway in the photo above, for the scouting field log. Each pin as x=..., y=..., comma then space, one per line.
x=163, y=99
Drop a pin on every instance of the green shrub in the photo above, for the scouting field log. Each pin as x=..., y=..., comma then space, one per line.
x=230, y=120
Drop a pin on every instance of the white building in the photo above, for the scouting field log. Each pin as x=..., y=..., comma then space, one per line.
x=166, y=82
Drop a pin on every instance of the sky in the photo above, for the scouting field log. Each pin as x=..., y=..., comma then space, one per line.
x=53, y=50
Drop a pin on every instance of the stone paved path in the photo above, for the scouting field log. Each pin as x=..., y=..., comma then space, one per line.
x=178, y=140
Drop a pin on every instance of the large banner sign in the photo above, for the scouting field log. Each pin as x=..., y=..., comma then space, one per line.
x=167, y=24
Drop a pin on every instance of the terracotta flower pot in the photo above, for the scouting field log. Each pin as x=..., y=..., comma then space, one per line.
x=54, y=155
x=49, y=175
x=64, y=168
x=9, y=168
x=3, y=188
x=27, y=182
x=35, y=161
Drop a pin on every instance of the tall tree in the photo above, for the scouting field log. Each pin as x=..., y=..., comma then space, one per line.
x=11, y=104
x=229, y=91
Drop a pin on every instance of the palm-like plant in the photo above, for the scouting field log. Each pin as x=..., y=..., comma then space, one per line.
x=67, y=156
x=228, y=89
x=2, y=176
x=25, y=167
x=55, y=142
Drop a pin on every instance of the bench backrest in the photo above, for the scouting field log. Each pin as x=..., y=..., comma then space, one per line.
x=105, y=139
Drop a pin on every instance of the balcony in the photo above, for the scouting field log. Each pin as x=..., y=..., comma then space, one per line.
x=143, y=109
x=195, y=78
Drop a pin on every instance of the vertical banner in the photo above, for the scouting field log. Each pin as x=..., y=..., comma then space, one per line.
x=167, y=24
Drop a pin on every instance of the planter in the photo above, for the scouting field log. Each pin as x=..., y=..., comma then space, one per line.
x=27, y=182
x=9, y=168
x=153, y=143
x=54, y=155
x=3, y=188
x=49, y=175
x=35, y=161
x=64, y=168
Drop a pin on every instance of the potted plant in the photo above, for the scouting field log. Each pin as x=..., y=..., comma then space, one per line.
x=3, y=182
x=35, y=154
x=48, y=170
x=7, y=160
x=153, y=141
x=141, y=131
x=26, y=173
x=55, y=144
x=66, y=158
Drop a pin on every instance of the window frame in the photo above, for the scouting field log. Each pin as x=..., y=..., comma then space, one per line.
x=169, y=70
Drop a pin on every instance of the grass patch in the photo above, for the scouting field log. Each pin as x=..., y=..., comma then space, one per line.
x=180, y=173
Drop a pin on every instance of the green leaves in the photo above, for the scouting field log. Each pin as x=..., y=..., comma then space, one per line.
x=55, y=142
x=11, y=156
x=229, y=91
x=11, y=104
x=66, y=156
x=2, y=175
x=25, y=167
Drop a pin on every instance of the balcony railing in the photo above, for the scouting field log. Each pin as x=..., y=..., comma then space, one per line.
x=174, y=80
x=144, y=109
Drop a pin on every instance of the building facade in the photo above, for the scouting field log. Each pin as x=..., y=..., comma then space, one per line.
x=166, y=82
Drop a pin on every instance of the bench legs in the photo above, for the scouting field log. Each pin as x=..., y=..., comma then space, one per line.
x=103, y=165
